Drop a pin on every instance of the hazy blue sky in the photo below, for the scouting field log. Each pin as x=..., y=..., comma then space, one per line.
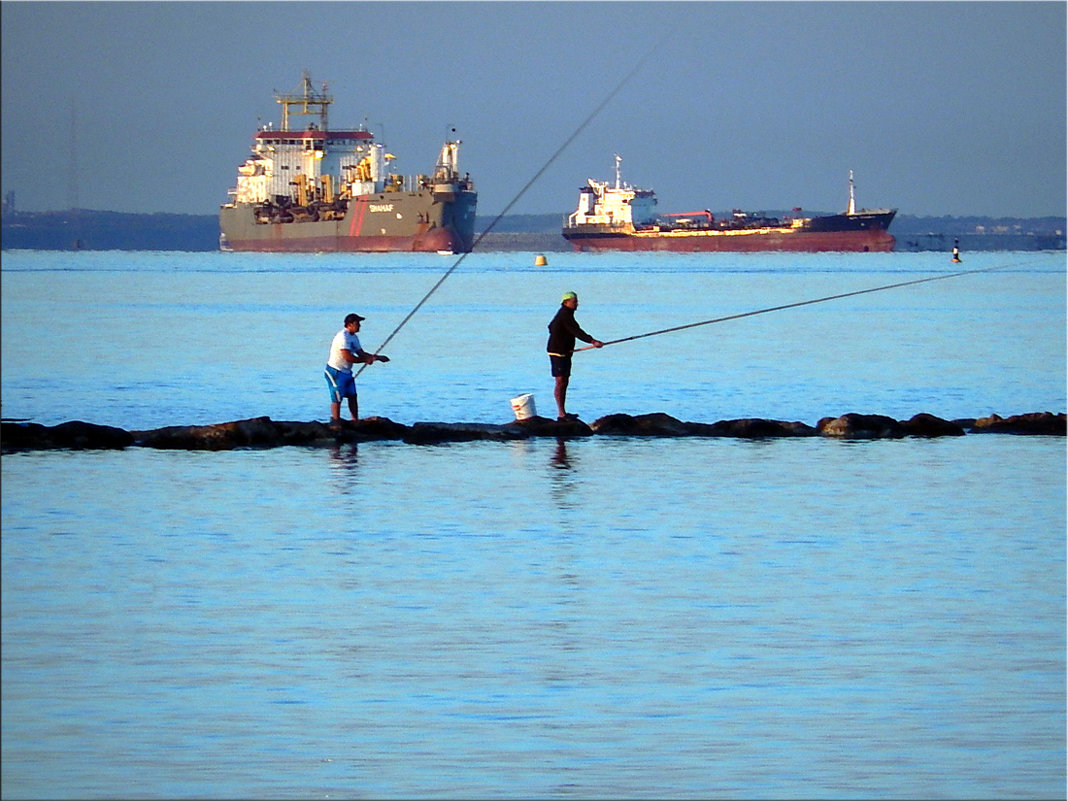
x=940, y=108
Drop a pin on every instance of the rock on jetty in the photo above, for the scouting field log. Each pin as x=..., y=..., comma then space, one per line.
x=263, y=432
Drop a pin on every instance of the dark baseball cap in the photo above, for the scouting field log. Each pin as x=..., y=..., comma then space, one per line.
x=353, y=318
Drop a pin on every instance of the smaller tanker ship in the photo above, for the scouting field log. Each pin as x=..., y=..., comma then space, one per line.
x=313, y=189
x=623, y=217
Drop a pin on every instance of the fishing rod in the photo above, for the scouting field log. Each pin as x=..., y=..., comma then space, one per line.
x=804, y=303
x=582, y=126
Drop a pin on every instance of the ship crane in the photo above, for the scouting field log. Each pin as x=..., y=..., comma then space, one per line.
x=309, y=102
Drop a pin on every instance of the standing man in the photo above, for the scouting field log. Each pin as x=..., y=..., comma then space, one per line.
x=563, y=330
x=345, y=351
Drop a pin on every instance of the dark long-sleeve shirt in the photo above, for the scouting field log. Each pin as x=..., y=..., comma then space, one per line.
x=563, y=330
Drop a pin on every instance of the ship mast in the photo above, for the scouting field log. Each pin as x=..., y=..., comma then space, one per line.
x=852, y=209
x=618, y=160
x=306, y=102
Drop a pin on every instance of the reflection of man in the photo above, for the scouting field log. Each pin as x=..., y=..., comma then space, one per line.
x=563, y=331
x=560, y=460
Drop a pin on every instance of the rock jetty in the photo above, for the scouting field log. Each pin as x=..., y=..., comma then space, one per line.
x=263, y=432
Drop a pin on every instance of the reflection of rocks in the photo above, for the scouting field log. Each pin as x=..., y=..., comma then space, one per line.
x=263, y=432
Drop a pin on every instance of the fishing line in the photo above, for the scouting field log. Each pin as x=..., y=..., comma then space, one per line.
x=537, y=175
x=805, y=303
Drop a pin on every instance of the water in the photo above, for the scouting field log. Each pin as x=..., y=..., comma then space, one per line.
x=604, y=617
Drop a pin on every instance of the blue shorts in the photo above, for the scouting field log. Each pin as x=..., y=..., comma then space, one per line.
x=341, y=385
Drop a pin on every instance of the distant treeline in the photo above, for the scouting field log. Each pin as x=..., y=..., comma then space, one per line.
x=82, y=229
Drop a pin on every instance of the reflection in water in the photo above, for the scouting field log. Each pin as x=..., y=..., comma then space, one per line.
x=560, y=459
x=344, y=461
x=508, y=620
x=563, y=476
x=569, y=604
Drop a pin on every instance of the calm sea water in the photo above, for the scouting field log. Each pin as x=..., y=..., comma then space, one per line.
x=606, y=617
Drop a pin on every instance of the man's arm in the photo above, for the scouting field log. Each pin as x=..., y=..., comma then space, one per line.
x=364, y=357
x=579, y=333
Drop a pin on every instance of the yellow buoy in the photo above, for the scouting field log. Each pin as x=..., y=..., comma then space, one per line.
x=540, y=261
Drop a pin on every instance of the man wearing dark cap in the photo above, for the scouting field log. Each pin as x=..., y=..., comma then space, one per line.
x=345, y=351
x=563, y=330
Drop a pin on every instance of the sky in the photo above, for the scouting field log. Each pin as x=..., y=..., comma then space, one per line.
x=940, y=109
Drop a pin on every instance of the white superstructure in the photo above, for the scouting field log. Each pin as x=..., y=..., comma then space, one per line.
x=313, y=163
x=616, y=205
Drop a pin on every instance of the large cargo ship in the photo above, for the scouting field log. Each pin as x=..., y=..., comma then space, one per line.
x=311, y=189
x=623, y=217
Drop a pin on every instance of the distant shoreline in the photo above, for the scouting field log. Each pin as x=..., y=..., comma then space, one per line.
x=84, y=229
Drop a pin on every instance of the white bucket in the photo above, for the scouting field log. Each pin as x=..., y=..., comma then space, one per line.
x=523, y=406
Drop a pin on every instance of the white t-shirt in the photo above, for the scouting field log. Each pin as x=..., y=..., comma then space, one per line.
x=350, y=342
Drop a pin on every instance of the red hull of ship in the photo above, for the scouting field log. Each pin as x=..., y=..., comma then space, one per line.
x=430, y=242
x=870, y=241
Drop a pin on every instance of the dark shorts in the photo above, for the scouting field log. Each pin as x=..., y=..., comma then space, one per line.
x=561, y=365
